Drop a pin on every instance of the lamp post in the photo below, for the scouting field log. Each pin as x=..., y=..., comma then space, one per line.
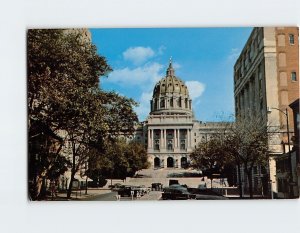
x=285, y=113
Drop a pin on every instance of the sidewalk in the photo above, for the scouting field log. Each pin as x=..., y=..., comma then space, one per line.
x=153, y=195
x=78, y=195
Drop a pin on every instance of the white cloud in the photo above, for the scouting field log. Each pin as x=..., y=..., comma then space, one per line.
x=195, y=88
x=176, y=65
x=144, y=105
x=234, y=54
x=161, y=50
x=138, y=55
x=144, y=75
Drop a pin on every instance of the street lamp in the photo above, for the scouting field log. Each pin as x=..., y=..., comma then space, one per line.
x=285, y=113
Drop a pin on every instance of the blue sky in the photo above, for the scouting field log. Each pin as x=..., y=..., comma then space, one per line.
x=202, y=57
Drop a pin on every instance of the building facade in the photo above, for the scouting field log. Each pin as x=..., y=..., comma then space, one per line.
x=171, y=132
x=265, y=83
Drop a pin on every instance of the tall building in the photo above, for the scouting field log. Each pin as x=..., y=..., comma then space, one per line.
x=265, y=83
x=171, y=132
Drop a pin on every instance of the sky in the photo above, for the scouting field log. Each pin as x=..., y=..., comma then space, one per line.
x=202, y=57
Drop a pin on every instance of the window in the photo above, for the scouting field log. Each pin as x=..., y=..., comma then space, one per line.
x=170, y=145
x=156, y=145
x=171, y=103
x=293, y=76
x=162, y=103
x=179, y=102
x=292, y=39
x=182, y=144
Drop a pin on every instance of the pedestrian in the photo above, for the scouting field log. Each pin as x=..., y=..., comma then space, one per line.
x=132, y=194
x=53, y=189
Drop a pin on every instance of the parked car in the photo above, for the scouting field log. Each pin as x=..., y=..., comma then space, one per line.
x=202, y=186
x=171, y=182
x=125, y=190
x=210, y=197
x=156, y=186
x=116, y=187
x=143, y=189
x=177, y=192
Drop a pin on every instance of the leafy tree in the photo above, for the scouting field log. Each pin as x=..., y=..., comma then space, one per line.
x=136, y=156
x=209, y=156
x=247, y=145
x=118, y=159
x=63, y=72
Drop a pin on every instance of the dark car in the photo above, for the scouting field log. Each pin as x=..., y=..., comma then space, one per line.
x=156, y=186
x=210, y=197
x=116, y=187
x=172, y=182
x=125, y=190
x=177, y=192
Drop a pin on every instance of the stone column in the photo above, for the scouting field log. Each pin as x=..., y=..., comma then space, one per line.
x=178, y=138
x=179, y=162
x=152, y=138
x=165, y=158
x=165, y=138
x=175, y=139
x=189, y=136
x=161, y=139
x=149, y=143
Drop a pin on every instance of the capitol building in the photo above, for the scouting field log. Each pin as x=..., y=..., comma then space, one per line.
x=171, y=132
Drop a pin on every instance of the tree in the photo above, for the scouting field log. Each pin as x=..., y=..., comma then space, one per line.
x=136, y=156
x=63, y=71
x=118, y=159
x=209, y=156
x=247, y=145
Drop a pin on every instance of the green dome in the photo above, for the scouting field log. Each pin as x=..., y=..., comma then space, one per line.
x=170, y=84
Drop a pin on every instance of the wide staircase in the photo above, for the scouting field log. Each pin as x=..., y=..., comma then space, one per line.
x=148, y=176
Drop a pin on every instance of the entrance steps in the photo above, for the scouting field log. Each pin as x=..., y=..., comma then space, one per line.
x=190, y=182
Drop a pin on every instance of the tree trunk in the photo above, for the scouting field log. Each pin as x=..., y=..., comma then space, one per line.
x=69, y=192
x=72, y=172
x=249, y=175
x=38, y=187
x=240, y=180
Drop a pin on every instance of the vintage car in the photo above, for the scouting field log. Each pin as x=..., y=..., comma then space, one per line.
x=127, y=190
x=115, y=187
x=177, y=192
x=156, y=186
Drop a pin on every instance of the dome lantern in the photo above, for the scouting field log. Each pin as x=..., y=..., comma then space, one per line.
x=170, y=95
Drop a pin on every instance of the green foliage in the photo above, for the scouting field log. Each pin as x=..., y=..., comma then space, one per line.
x=209, y=156
x=119, y=159
x=69, y=117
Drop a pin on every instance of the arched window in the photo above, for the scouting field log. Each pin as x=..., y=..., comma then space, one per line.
x=162, y=103
x=179, y=102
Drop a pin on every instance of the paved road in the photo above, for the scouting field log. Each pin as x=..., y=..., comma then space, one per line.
x=102, y=197
x=153, y=195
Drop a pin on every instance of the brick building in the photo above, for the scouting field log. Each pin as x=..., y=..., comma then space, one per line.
x=266, y=81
